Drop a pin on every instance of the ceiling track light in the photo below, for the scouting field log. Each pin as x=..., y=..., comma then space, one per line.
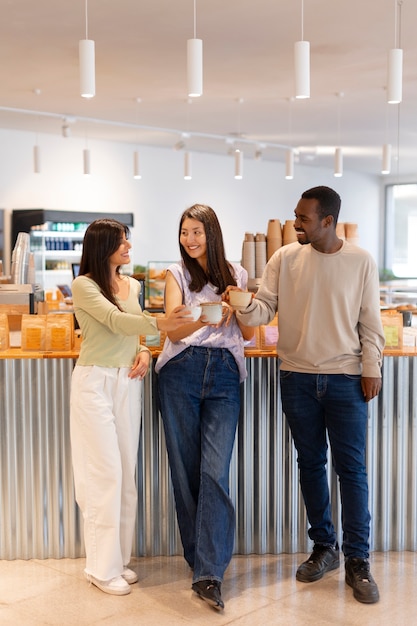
x=136, y=166
x=86, y=162
x=395, y=62
x=338, y=163
x=238, y=164
x=66, y=130
x=302, y=63
x=195, y=64
x=386, y=158
x=289, y=164
x=187, y=166
x=86, y=50
x=36, y=159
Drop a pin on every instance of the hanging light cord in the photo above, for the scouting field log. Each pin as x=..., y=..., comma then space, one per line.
x=302, y=20
x=339, y=95
x=195, y=20
x=397, y=23
x=398, y=5
x=86, y=19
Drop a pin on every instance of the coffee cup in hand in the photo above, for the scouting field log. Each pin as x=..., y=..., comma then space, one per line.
x=239, y=299
x=195, y=312
x=212, y=312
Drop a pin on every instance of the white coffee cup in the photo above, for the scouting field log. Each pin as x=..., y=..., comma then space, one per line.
x=195, y=312
x=212, y=311
x=239, y=299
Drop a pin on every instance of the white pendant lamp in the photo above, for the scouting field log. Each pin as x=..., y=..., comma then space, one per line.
x=338, y=163
x=187, y=166
x=36, y=159
x=86, y=162
x=289, y=164
x=302, y=63
x=386, y=158
x=136, y=166
x=238, y=164
x=195, y=64
x=395, y=76
x=395, y=63
x=86, y=50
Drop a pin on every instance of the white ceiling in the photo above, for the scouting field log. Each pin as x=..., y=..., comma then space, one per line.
x=248, y=76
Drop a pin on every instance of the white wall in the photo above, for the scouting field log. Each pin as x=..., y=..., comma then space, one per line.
x=160, y=197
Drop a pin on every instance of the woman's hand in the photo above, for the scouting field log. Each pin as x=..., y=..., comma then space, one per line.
x=178, y=317
x=141, y=365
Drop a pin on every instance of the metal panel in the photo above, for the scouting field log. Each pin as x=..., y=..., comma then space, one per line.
x=39, y=517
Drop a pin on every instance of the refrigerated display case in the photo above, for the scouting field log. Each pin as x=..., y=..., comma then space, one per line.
x=56, y=240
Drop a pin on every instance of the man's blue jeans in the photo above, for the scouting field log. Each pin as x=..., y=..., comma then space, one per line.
x=199, y=393
x=314, y=404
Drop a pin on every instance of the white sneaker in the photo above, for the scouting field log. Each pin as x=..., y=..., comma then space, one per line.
x=116, y=586
x=130, y=576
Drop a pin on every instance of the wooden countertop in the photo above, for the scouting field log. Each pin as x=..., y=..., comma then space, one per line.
x=17, y=353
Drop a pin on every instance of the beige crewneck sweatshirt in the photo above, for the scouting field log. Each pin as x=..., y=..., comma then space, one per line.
x=328, y=310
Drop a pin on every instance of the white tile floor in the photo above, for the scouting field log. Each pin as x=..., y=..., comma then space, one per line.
x=257, y=590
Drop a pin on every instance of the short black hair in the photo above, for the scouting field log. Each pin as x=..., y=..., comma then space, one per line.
x=328, y=201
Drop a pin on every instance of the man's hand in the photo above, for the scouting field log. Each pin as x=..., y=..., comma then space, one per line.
x=370, y=387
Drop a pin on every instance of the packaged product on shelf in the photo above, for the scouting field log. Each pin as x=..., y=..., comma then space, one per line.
x=59, y=332
x=33, y=332
x=4, y=332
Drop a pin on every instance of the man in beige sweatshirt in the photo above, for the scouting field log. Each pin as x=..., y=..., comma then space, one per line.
x=326, y=293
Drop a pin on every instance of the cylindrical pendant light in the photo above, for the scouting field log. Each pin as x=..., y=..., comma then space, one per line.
x=338, y=163
x=36, y=160
x=195, y=62
x=302, y=69
x=136, y=166
x=87, y=68
x=187, y=166
x=86, y=51
x=86, y=162
x=386, y=159
x=289, y=164
x=302, y=63
x=395, y=61
x=195, y=67
x=238, y=164
x=395, y=76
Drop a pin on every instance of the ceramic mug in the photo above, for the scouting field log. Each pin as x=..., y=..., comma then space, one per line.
x=212, y=311
x=240, y=299
x=195, y=312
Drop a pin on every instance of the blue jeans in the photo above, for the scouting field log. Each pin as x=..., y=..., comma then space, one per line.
x=314, y=404
x=199, y=394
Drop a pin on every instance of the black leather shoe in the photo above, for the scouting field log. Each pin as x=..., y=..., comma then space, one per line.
x=359, y=577
x=323, y=559
x=210, y=591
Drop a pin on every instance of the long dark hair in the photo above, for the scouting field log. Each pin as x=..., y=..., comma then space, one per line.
x=101, y=240
x=219, y=271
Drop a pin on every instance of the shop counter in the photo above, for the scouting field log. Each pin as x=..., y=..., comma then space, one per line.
x=39, y=516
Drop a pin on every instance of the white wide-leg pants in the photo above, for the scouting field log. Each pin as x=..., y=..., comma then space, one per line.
x=105, y=422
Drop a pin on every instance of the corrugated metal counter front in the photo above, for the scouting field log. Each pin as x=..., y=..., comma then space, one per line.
x=39, y=517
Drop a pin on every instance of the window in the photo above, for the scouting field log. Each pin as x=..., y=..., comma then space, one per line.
x=401, y=230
